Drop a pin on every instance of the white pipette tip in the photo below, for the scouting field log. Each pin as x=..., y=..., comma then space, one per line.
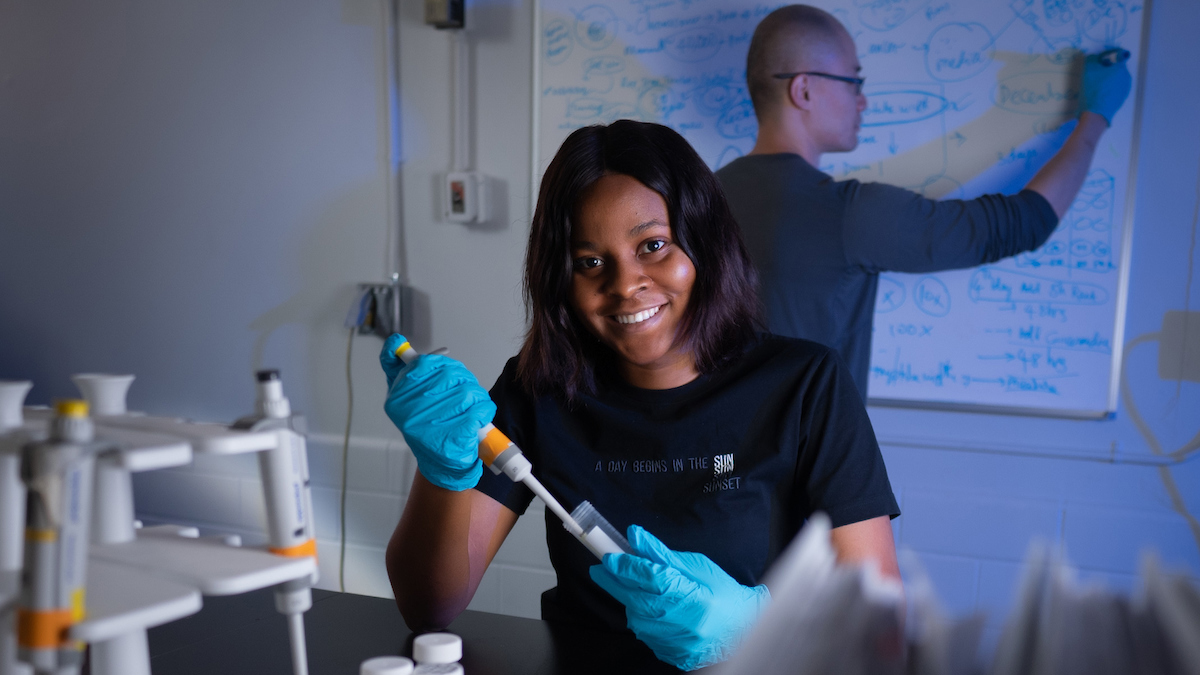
x=552, y=504
x=299, y=648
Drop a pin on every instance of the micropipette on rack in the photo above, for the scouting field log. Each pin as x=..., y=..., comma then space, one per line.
x=501, y=455
x=288, y=495
x=58, y=474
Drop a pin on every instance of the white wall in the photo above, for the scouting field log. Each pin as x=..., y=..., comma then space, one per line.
x=189, y=191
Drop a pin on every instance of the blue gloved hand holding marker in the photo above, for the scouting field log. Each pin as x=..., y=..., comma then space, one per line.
x=688, y=610
x=440, y=407
x=1106, y=83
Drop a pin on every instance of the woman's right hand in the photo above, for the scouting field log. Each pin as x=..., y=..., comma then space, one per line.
x=440, y=407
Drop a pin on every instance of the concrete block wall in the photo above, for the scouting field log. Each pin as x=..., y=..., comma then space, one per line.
x=971, y=517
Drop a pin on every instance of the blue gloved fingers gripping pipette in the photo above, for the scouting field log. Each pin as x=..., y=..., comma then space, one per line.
x=1106, y=83
x=388, y=360
x=688, y=610
x=439, y=407
x=499, y=454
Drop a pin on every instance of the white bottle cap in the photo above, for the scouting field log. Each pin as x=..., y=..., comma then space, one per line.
x=386, y=665
x=437, y=648
x=439, y=669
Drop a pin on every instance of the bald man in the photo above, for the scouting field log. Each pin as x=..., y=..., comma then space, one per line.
x=820, y=244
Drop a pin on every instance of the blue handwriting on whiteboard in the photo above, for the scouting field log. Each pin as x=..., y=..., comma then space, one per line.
x=884, y=15
x=1089, y=343
x=1035, y=93
x=889, y=296
x=958, y=51
x=556, y=40
x=1015, y=156
x=903, y=373
x=909, y=330
x=991, y=284
x=596, y=27
x=1044, y=311
x=901, y=107
x=1034, y=334
x=932, y=297
x=1013, y=383
x=1029, y=360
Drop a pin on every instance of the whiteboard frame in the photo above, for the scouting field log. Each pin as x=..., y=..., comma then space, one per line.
x=1114, y=384
x=1118, y=355
x=1025, y=411
x=1123, y=271
x=535, y=109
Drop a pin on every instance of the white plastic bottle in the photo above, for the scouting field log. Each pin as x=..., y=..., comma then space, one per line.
x=438, y=654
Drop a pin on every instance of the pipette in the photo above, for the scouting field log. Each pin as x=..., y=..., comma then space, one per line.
x=288, y=496
x=503, y=456
x=58, y=476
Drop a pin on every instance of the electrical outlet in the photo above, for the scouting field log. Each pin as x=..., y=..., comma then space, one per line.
x=381, y=309
x=1179, y=347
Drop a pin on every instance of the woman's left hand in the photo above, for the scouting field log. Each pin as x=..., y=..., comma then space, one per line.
x=682, y=605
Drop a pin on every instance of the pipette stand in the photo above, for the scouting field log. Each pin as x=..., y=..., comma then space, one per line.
x=137, y=579
x=123, y=603
x=212, y=566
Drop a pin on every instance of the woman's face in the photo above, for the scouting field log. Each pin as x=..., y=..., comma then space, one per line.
x=631, y=282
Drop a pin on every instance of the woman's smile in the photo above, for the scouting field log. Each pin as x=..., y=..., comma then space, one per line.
x=638, y=317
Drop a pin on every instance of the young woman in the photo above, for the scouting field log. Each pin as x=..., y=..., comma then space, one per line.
x=643, y=388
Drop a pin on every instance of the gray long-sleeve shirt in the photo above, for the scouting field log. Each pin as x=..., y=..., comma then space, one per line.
x=820, y=244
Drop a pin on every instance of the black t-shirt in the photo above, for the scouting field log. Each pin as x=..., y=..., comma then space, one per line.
x=729, y=465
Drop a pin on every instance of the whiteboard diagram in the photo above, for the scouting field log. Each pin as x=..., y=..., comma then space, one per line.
x=963, y=98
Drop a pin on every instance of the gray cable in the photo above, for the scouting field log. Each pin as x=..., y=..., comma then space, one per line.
x=1164, y=471
x=1135, y=415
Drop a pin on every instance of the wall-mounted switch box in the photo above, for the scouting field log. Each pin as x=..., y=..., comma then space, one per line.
x=466, y=197
x=381, y=309
x=444, y=13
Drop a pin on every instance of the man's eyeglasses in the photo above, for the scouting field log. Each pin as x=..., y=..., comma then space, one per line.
x=856, y=81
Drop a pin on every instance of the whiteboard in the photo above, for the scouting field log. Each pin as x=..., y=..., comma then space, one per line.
x=964, y=98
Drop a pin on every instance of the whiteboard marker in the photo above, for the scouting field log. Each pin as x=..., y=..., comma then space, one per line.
x=1111, y=57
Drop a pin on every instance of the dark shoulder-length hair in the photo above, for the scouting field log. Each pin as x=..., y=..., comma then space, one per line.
x=560, y=355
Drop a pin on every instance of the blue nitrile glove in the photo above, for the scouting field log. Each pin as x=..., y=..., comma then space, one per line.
x=439, y=407
x=392, y=365
x=1104, y=87
x=685, y=608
